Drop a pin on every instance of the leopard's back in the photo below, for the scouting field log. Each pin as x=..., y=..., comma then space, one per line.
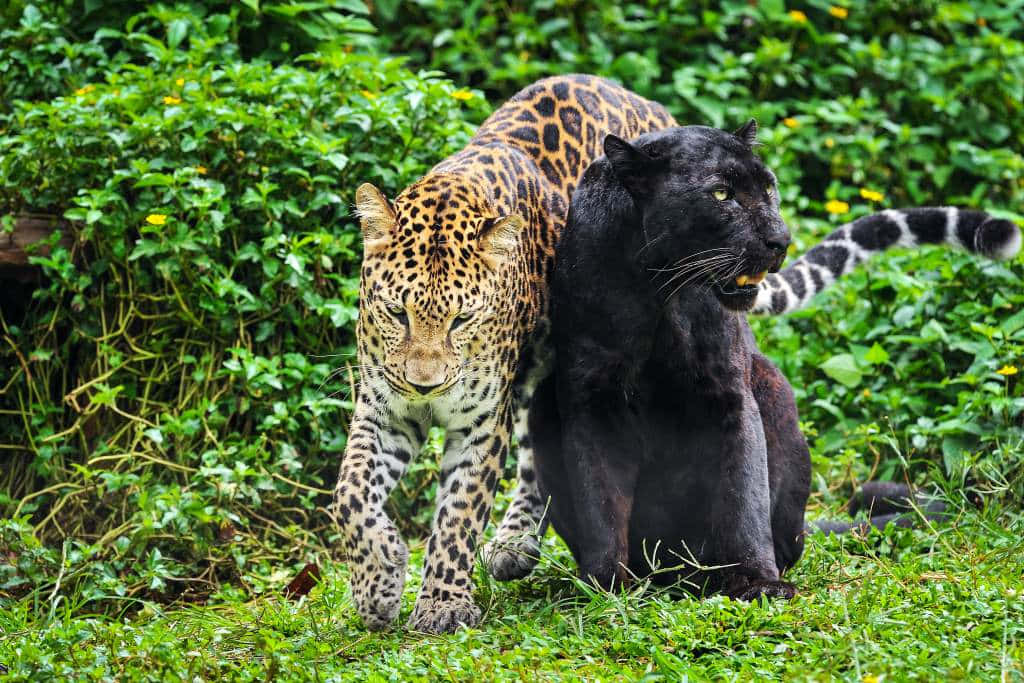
x=531, y=152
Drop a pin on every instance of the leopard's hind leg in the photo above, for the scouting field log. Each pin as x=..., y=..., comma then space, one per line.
x=515, y=548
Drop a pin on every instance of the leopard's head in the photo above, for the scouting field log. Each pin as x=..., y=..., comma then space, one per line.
x=431, y=282
x=710, y=209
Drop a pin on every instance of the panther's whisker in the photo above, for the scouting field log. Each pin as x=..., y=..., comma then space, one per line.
x=705, y=267
x=690, y=262
x=715, y=274
x=697, y=267
x=681, y=262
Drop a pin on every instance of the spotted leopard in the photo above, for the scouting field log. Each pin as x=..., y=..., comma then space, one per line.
x=452, y=321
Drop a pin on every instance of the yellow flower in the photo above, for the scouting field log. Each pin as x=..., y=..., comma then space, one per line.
x=790, y=122
x=367, y=94
x=462, y=95
x=180, y=82
x=838, y=12
x=830, y=143
x=871, y=195
x=798, y=16
x=836, y=206
x=168, y=99
x=84, y=90
x=870, y=678
x=201, y=170
x=866, y=393
x=1006, y=371
x=156, y=218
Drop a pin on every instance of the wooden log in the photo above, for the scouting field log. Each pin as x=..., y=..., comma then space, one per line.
x=29, y=229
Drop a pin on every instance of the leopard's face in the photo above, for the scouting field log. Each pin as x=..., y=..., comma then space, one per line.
x=431, y=292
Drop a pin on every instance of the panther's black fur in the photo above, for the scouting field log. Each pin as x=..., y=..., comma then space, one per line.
x=664, y=434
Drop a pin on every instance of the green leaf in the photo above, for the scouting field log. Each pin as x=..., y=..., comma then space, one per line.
x=176, y=32
x=155, y=179
x=876, y=355
x=953, y=448
x=843, y=369
x=338, y=160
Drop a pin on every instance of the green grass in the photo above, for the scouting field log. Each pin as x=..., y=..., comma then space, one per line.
x=942, y=602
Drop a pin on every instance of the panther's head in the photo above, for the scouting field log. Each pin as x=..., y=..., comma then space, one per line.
x=431, y=281
x=709, y=206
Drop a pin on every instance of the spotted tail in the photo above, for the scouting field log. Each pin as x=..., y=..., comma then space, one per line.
x=850, y=245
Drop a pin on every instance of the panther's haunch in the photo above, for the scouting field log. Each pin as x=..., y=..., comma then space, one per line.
x=853, y=243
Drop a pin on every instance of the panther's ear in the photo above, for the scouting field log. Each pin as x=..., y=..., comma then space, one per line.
x=632, y=166
x=376, y=217
x=747, y=133
x=499, y=239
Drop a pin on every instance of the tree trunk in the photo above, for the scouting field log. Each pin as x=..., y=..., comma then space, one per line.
x=28, y=229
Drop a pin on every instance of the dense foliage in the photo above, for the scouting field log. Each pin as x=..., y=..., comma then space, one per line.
x=174, y=390
x=169, y=390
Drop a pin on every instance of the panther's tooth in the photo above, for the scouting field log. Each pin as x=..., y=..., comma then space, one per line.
x=742, y=280
x=757, y=279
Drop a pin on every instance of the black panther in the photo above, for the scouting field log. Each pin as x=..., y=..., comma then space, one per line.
x=664, y=437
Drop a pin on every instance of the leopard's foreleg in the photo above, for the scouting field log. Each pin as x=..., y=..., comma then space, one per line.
x=375, y=457
x=470, y=471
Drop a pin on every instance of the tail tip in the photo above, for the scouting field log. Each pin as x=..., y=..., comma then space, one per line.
x=998, y=239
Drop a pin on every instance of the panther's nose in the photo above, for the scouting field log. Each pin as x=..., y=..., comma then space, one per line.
x=778, y=240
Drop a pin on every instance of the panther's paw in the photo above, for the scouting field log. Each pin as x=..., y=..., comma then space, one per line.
x=377, y=579
x=511, y=558
x=444, y=616
x=758, y=589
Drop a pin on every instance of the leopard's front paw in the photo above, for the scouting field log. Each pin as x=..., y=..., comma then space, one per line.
x=444, y=616
x=377, y=578
x=511, y=558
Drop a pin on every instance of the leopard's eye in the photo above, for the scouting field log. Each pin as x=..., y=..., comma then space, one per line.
x=397, y=311
x=460, y=320
x=721, y=194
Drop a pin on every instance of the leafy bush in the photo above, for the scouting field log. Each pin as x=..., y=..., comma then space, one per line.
x=177, y=386
x=175, y=389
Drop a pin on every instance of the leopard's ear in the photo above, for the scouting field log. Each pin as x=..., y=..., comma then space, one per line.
x=747, y=133
x=632, y=166
x=376, y=217
x=499, y=239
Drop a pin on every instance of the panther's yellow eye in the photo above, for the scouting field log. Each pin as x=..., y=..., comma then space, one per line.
x=721, y=194
x=769, y=191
